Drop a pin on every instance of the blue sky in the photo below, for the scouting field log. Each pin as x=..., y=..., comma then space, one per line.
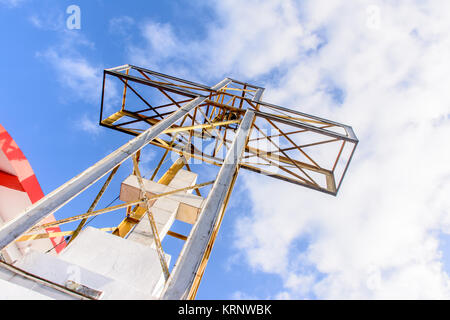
x=375, y=65
x=43, y=113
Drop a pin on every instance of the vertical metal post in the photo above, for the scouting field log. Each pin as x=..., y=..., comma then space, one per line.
x=191, y=256
x=59, y=197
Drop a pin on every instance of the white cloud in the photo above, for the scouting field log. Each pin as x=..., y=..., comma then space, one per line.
x=161, y=43
x=88, y=125
x=248, y=40
x=121, y=26
x=80, y=77
x=50, y=20
x=380, y=237
x=76, y=72
x=146, y=162
x=239, y=295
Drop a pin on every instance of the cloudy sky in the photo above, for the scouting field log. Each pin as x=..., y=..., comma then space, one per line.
x=380, y=66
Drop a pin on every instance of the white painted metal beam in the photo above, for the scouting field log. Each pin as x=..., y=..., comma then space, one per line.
x=56, y=199
x=221, y=84
x=188, y=263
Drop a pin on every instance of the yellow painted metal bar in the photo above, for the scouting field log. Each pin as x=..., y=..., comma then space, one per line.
x=151, y=219
x=29, y=237
x=155, y=172
x=87, y=215
x=202, y=266
x=301, y=119
x=138, y=212
x=124, y=91
x=197, y=191
x=201, y=126
x=45, y=282
x=113, y=118
x=286, y=155
x=176, y=235
x=209, y=159
x=94, y=203
x=331, y=183
x=210, y=122
x=212, y=239
x=173, y=84
x=237, y=89
x=173, y=170
x=117, y=207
